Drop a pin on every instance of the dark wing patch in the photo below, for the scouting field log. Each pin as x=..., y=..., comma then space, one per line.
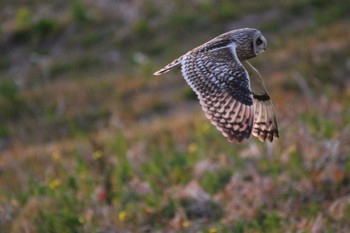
x=223, y=89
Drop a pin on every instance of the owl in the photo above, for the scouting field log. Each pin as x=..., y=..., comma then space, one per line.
x=230, y=90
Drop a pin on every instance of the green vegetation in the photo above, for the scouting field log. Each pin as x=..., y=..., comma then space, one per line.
x=29, y=27
x=91, y=141
x=79, y=11
x=11, y=102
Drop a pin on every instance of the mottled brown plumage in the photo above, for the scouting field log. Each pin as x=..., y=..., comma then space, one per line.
x=232, y=94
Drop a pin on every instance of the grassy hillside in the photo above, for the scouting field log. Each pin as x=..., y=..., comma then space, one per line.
x=91, y=141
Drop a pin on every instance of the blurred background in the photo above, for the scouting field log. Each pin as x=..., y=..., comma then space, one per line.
x=91, y=141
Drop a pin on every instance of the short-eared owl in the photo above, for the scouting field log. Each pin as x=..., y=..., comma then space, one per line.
x=229, y=88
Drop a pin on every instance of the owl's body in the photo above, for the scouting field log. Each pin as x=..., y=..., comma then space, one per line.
x=232, y=95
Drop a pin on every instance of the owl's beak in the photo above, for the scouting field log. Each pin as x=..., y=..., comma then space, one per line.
x=260, y=51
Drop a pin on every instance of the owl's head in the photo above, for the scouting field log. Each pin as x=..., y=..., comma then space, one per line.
x=249, y=42
x=259, y=43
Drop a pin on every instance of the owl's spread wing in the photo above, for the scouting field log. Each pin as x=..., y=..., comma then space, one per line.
x=265, y=122
x=222, y=86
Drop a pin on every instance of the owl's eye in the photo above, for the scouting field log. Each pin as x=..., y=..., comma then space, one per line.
x=259, y=41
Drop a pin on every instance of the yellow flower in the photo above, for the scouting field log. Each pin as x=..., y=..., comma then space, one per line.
x=192, y=148
x=186, y=224
x=81, y=219
x=54, y=183
x=56, y=155
x=97, y=155
x=122, y=216
x=213, y=230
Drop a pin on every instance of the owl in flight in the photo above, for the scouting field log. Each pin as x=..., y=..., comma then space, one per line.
x=230, y=90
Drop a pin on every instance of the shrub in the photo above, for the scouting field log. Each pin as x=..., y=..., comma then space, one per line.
x=43, y=27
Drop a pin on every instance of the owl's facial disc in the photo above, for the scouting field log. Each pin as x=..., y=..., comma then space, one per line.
x=260, y=44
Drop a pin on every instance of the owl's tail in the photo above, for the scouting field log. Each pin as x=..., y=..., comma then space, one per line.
x=168, y=67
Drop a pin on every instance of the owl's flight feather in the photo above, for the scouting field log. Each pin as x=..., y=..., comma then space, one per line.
x=265, y=121
x=223, y=90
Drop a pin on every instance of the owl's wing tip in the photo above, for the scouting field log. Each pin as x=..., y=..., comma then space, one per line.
x=237, y=138
x=157, y=73
x=265, y=135
x=168, y=67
